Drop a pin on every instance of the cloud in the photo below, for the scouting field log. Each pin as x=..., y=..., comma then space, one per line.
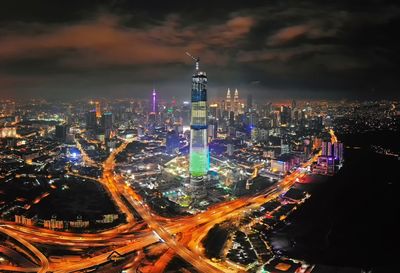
x=230, y=33
x=310, y=30
x=288, y=34
x=306, y=59
x=106, y=41
x=128, y=46
x=283, y=54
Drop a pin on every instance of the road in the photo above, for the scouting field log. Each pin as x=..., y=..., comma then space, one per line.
x=123, y=239
x=44, y=263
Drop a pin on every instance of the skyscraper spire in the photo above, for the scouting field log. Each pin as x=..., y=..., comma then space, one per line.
x=228, y=94
x=153, y=113
x=154, y=101
x=228, y=103
x=197, y=64
x=236, y=103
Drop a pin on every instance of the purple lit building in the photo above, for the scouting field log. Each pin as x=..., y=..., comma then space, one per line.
x=152, y=118
x=154, y=106
x=333, y=150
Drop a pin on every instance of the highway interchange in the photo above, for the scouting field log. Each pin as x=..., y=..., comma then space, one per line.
x=182, y=235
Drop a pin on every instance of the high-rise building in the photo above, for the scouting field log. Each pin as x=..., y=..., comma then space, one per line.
x=98, y=109
x=285, y=114
x=154, y=105
x=332, y=150
x=213, y=121
x=172, y=142
x=294, y=104
x=330, y=146
x=91, y=120
x=213, y=129
x=199, y=155
x=324, y=148
x=61, y=132
x=153, y=116
x=251, y=119
x=276, y=119
x=249, y=102
x=222, y=108
x=213, y=110
x=186, y=114
x=231, y=118
x=331, y=157
x=295, y=116
x=338, y=151
x=228, y=103
x=268, y=109
x=107, y=124
x=236, y=103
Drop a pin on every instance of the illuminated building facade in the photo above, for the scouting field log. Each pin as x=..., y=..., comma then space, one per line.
x=228, y=103
x=236, y=103
x=91, y=120
x=8, y=132
x=98, y=109
x=285, y=115
x=330, y=158
x=153, y=116
x=199, y=154
x=61, y=132
x=107, y=124
x=172, y=142
x=249, y=103
x=154, y=107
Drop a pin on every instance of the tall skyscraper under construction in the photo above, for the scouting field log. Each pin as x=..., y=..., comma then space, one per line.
x=199, y=154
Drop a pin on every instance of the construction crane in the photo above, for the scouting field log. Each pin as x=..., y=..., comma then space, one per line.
x=197, y=60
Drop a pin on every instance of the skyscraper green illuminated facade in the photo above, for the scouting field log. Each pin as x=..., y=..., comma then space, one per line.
x=199, y=155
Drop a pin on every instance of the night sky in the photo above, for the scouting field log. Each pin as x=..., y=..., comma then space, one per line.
x=272, y=49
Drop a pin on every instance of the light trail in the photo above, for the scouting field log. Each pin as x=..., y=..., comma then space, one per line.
x=193, y=227
x=333, y=136
x=44, y=263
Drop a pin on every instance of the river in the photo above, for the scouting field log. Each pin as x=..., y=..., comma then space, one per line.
x=352, y=219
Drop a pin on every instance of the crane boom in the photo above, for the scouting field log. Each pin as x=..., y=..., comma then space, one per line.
x=191, y=56
x=195, y=59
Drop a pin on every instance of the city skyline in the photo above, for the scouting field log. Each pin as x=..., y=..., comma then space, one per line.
x=271, y=50
x=121, y=152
